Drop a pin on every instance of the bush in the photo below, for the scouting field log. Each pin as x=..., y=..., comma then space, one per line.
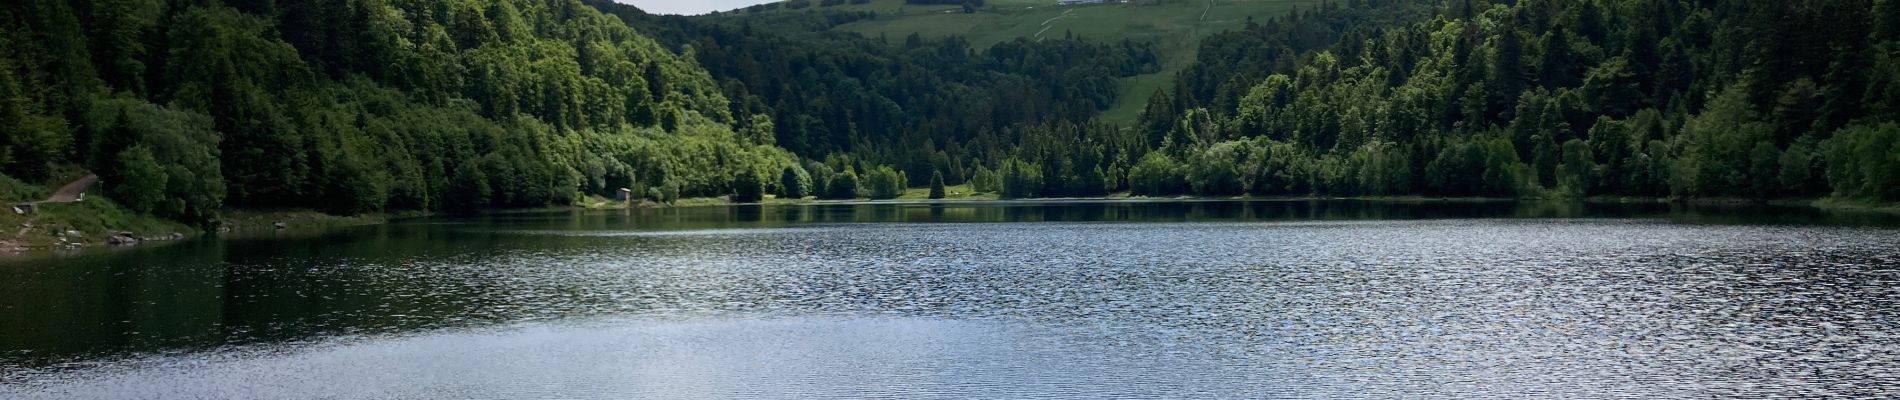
x=1156, y=175
x=843, y=186
x=1215, y=171
x=143, y=180
x=794, y=183
x=748, y=188
x=884, y=183
x=13, y=190
x=670, y=192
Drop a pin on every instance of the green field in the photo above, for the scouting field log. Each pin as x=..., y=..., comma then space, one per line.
x=1175, y=26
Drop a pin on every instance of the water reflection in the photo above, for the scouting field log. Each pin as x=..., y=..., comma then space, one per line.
x=1353, y=298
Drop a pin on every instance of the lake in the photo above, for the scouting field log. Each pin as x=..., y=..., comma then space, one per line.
x=1112, y=299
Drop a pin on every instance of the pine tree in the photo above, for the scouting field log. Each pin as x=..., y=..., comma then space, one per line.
x=936, y=185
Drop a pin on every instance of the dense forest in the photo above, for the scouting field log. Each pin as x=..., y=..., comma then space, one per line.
x=185, y=108
x=1536, y=98
x=1546, y=98
x=922, y=106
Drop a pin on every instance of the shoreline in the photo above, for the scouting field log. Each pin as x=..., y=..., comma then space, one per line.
x=1824, y=204
x=255, y=223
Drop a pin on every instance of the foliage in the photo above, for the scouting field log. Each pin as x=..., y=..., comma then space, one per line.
x=1157, y=174
x=157, y=160
x=1020, y=180
x=919, y=104
x=13, y=190
x=185, y=108
x=984, y=180
x=748, y=188
x=1861, y=160
x=1677, y=98
x=936, y=185
x=884, y=183
x=794, y=183
x=843, y=186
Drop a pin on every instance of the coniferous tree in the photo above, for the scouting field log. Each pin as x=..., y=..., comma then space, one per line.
x=936, y=185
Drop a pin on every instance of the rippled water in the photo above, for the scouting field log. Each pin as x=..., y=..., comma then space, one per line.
x=1224, y=300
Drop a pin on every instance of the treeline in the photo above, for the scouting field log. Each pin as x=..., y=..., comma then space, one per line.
x=920, y=105
x=187, y=107
x=977, y=3
x=1662, y=98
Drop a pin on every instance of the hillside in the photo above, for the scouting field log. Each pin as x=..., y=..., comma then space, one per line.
x=186, y=109
x=1174, y=27
x=1677, y=99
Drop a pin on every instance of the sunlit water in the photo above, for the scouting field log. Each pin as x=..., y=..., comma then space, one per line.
x=1093, y=300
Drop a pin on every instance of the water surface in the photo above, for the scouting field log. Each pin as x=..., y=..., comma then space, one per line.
x=1058, y=300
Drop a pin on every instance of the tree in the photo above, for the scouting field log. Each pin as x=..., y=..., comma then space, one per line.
x=936, y=185
x=158, y=160
x=1156, y=175
x=143, y=186
x=794, y=183
x=748, y=188
x=1718, y=146
x=1021, y=180
x=883, y=183
x=1215, y=170
x=1798, y=166
x=1764, y=170
x=843, y=186
x=1863, y=161
x=983, y=180
x=1508, y=72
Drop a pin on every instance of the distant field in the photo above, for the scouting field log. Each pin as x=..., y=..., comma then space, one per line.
x=1176, y=26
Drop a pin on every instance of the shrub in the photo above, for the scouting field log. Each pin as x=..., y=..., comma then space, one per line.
x=794, y=183
x=748, y=188
x=1156, y=175
x=843, y=186
x=884, y=183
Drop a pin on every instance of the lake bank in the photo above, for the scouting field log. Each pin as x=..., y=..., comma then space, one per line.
x=100, y=224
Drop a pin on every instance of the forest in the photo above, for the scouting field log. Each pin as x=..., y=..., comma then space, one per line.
x=187, y=108
x=1537, y=98
x=1540, y=98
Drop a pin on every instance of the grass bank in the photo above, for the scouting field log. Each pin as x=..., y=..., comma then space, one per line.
x=93, y=222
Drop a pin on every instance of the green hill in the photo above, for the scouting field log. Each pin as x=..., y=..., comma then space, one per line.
x=1176, y=27
x=185, y=109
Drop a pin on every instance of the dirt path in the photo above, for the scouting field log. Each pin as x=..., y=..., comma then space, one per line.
x=71, y=192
